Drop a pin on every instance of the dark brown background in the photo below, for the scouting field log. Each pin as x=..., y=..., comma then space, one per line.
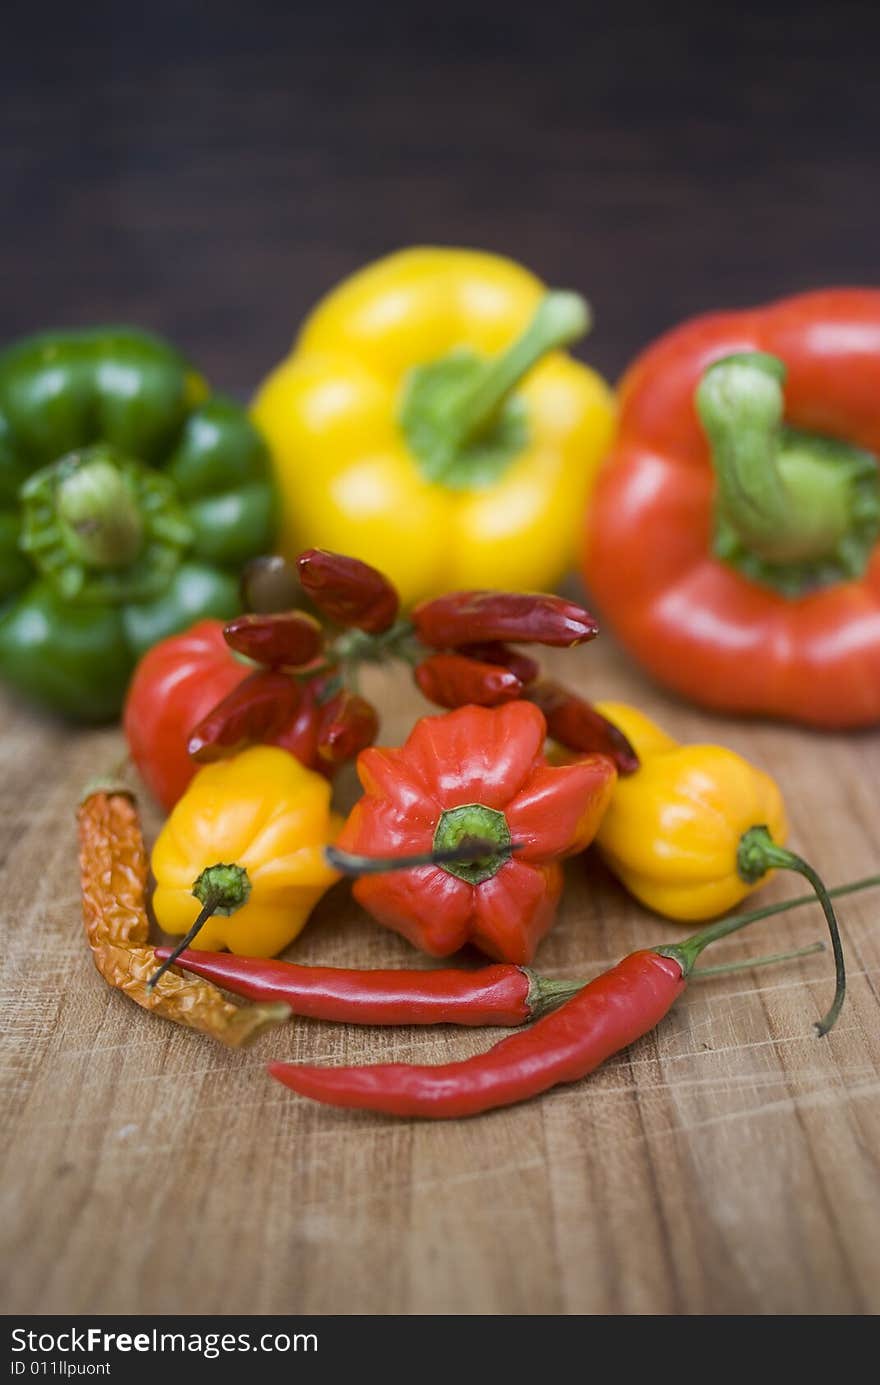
x=210, y=172
x=209, y=169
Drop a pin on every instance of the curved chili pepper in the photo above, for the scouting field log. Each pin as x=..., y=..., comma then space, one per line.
x=113, y=874
x=606, y=1016
x=502, y=994
x=577, y=725
x=286, y=639
x=348, y=724
x=493, y=652
x=348, y=591
x=257, y=709
x=471, y=617
x=454, y=680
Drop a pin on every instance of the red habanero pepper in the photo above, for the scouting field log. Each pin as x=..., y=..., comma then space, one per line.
x=733, y=538
x=475, y=773
x=347, y=724
x=256, y=710
x=286, y=639
x=454, y=680
x=470, y=617
x=500, y=994
x=526, y=669
x=577, y=725
x=348, y=591
x=608, y=1015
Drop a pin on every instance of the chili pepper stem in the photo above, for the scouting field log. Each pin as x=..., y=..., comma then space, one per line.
x=467, y=850
x=724, y=968
x=222, y=889
x=758, y=854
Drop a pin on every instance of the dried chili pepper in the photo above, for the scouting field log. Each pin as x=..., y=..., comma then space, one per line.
x=577, y=725
x=113, y=871
x=454, y=680
x=258, y=709
x=285, y=639
x=348, y=591
x=348, y=724
x=608, y=1015
x=469, y=617
x=493, y=652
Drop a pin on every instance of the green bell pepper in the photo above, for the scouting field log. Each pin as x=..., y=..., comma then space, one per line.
x=129, y=498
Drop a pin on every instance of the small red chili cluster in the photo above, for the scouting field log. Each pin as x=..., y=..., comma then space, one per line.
x=304, y=697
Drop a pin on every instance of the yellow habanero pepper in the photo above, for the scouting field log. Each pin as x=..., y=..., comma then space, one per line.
x=246, y=842
x=427, y=423
x=696, y=828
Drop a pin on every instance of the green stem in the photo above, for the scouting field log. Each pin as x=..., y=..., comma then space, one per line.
x=758, y=854
x=222, y=889
x=749, y=964
x=562, y=317
x=785, y=499
x=466, y=850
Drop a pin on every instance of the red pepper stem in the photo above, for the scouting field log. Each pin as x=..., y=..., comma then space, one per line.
x=724, y=968
x=222, y=889
x=467, y=850
x=757, y=855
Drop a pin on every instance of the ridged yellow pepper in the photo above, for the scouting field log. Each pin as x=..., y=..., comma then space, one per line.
x=427, y=423
x=696, y=828
x=249, y=834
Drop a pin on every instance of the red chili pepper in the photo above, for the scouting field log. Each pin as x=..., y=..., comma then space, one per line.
x=256, y=710
x=347, y=724
x=576, y=724
x=503, y=995
x=289, y=639
x=526, y=669
x=470, y=617
x=454, y=680
x=348, y=591
x=606, y=1016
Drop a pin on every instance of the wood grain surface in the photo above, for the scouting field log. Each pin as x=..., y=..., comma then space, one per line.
x=728, y=1164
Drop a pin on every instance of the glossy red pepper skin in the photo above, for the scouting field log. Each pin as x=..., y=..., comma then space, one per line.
x=347, y=724
x=256, y=711
x=608, y=1015
x=490, y=995
x=491, y=757
x=287, y=639
x=454, y=680
x=174, y=686
x=348, y=591
x=577, y=725
x=472, y=617
x=526, y=669
x=698, y=625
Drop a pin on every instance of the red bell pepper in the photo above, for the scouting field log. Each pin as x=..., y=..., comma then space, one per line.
x=476, y=772
x=732, y=539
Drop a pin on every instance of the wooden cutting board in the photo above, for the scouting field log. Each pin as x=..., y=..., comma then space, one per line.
x=726, y=1165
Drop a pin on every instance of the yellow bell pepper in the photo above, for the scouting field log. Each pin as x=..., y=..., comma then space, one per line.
x=696, y=828
x=427, y=422
x=249, y=834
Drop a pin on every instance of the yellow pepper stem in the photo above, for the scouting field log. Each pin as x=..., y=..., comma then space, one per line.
x=222, y=889
x=758, y=854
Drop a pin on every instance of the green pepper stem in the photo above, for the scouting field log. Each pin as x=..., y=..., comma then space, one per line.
x=757, y=854
x=99, y=514
x=562, y=317
x=749, y=964
x=786, y=497
x=467, y=850
x=222, y=889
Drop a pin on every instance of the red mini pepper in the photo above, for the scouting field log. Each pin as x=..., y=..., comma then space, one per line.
x=471, y=617
x=453, y=680
x=348, y=591
x=474, y=773
x=732, y=539
x=283, y=639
